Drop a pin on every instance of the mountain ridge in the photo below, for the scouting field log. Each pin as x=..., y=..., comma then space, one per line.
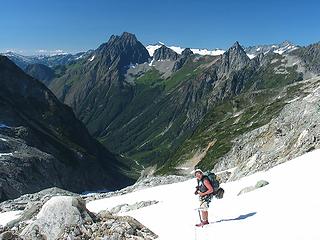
x=43, y=144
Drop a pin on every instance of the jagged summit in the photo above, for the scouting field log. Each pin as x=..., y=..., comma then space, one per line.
x=233, y=59
x=187, y=52
x=236, y=45
x=124, y=49
x=165, y=53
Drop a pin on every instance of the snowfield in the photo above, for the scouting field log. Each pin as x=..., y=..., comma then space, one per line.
x=6, y=217
x=287, y=208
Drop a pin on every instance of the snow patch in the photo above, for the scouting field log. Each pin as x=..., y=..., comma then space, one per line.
x=151, y=63
x=251, y=56
x=6, y=154
x=293, y=100
x=215, y=52
x=92, y=58
x=7, y=217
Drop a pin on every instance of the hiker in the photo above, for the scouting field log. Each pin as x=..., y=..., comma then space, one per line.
x=205, y=192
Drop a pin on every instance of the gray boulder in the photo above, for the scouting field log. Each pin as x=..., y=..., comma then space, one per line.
x=55, y=215
x=129, y=207
x=259, y=184
x=66, y=217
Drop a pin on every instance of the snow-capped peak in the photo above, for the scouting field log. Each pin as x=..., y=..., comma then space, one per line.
x=151, y=48
x=282, y=48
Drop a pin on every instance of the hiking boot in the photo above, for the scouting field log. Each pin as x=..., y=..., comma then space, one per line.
x=202, y=223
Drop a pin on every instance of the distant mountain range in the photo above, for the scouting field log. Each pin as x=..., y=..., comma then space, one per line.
x=147, y=108
x=50, y=61
x=63, y=59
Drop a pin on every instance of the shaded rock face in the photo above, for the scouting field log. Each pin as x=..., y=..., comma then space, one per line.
x=184, y=56
x=43, y=144
x=310, y=56
x=121, y=51
x=165, y=53
x=232, y=60
x=66, y=217
x=186, y=52
x=41, y=72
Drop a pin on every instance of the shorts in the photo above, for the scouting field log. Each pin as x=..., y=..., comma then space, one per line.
x=204, y=205
x=205, y=201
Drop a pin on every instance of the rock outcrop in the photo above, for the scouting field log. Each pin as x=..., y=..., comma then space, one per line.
x=165, y=53
x=182, y=59
x=66, y=217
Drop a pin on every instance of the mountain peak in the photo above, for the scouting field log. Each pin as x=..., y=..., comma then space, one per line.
x=165, y=53
x=187, y=52
x=234, y=59
x=125, y=49
x=286, y=42
x=128, y=36
x=236, y=44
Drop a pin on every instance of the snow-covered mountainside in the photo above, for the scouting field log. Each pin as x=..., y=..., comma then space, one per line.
x=282, y=48
x=151, y=49
x=286, y=208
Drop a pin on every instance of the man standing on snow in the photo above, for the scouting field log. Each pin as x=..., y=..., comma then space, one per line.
x=205, y=192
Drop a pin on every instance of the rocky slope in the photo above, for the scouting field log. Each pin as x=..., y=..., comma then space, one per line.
x=41, y=72
x=58, y=214
x=42, y=144
x=293, y=132
x=310, y=55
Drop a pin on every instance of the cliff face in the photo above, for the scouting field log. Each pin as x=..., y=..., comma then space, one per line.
x=43, y=144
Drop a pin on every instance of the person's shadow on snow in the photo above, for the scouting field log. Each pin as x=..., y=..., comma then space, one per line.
x=241, y=217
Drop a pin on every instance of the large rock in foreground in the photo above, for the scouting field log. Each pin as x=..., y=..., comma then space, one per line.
x=66, y=217
x=55, y=215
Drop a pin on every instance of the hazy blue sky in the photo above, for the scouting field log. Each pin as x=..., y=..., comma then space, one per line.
x=77, y=25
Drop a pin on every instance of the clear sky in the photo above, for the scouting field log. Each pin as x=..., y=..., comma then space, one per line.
x=78, y=25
